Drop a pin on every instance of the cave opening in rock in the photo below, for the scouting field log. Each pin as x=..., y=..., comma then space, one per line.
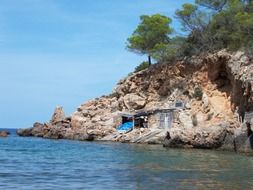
x=220, y=89
x=222, y=80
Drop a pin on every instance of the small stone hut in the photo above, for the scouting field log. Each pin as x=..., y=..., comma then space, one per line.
x=157, y=118
x=161, y=118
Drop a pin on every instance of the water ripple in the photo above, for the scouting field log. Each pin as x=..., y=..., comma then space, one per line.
x=33, y=163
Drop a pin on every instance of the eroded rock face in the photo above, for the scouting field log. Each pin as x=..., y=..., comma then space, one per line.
x=134, y=101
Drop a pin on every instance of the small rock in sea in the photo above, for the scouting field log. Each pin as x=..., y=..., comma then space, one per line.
x=4, y=133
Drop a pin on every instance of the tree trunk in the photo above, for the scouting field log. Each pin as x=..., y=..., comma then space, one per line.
x=149, y=60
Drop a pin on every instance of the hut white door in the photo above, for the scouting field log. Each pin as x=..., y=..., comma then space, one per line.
x=248, y=116
x=166, y=120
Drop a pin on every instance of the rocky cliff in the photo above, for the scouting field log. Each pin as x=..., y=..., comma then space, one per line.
x=217, y=91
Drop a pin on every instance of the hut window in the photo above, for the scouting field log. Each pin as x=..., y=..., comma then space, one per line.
x=179, y=104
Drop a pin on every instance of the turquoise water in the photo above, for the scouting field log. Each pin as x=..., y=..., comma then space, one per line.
x=34, y=163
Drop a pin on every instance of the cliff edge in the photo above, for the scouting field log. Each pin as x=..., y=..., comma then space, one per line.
x=206, y=100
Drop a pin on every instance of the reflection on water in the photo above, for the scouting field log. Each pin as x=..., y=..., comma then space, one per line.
x=32, y=163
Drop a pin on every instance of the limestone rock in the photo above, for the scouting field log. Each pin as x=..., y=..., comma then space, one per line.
x=38, y=130
x=205, y=100
x=185, y=119
x=78, y=120
x=25, y=132
x=243, y=139
x=197, y=137
x=228, y=143
x=58, y=115
x=134, y=101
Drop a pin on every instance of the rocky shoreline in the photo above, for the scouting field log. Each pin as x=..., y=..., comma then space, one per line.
x=216, y=91
x=215, y=137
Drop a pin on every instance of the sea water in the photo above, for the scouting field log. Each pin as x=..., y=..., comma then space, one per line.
x=40, y=164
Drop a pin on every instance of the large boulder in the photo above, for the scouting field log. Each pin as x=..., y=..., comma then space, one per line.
x=243, y=139
x=78, y=120
x=134, y=101
x=228, y=144
x=38, y=130
x=197, y=137
x=185, y=118
x=55, y=133
x=25, y=132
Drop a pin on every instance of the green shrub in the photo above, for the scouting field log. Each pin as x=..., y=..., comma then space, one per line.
x=171, y=51
x=152, y=33
x=142, y=66
x=198, y=93
x=130, y=74
x=114, y=94
x=216, y=24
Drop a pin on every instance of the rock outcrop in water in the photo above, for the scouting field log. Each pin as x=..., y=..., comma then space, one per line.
x=198, y=137
x=217, y=91
x=4, y=133
x=59, y=127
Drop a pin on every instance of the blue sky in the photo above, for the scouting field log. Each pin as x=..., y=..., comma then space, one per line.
x=65, y=52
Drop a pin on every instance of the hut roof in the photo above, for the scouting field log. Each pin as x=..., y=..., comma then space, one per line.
x=147, y=112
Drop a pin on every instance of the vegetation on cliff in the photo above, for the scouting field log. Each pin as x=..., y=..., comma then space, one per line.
x=210, y=26
x=151, y=35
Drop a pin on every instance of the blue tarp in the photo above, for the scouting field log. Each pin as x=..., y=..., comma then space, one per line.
x=126, y=126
